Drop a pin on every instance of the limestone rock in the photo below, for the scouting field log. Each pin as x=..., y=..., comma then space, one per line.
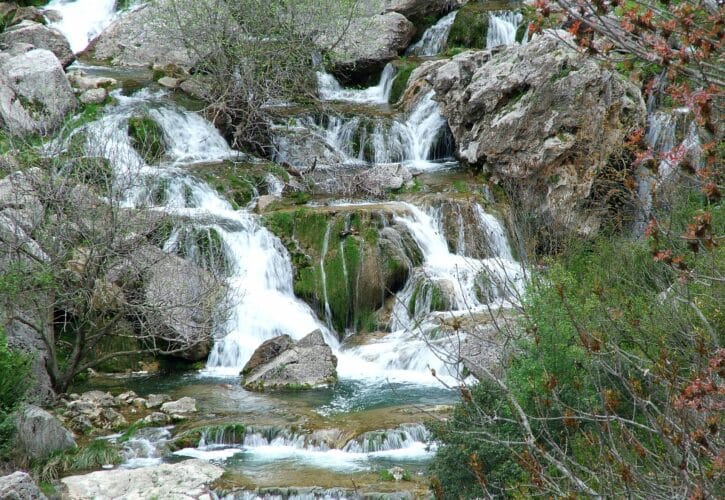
x=40, y=434
x=265, y=201
x=156, y=418
x=35, y=94
x=307, y=363
x=169, y=82
x=545, y=122
x=188, y=480
x=156, y=400
x=381, y=178
x=183, y=405
x=40, y=37
x=416, y=10
x=93, y=96
x=80, y=80
x=126, y=397
x=19, y=486
x=369, y=43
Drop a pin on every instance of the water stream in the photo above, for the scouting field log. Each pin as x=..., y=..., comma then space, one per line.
x=83, y=20
x=434, y=39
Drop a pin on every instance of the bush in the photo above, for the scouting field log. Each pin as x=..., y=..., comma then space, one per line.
x=15, y=369
x=147, y=138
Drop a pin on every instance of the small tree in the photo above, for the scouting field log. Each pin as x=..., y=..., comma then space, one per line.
x=85, y=275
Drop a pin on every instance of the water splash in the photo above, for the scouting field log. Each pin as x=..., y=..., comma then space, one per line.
x=502, y=28
x=331, y=90
x=434, y=39
x=83, y=20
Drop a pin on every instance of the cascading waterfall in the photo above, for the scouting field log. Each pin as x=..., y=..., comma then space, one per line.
x=434, y=39
x=83, y=20
x=259, y=276
x=331, y=90
x=502, y=28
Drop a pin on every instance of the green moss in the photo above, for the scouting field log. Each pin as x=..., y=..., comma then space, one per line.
x=470, y=27
x=405, y=69
x=147, y=138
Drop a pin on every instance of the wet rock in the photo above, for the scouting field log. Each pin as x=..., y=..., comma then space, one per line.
x=156, y=400
x=382, y=178
x=305, y=364
x=93, y=96
x=190, y=479
x=78, y=79
x=35, y=95
x=40, y=434
x=169, y=82
x=369, y=43
x=19, y=486
x=545, y=121
x=156, y=418
x=40, y=37
x=183, y=405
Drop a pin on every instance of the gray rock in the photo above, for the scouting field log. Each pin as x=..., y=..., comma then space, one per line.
x=264, y=202
x=416, y=10
x=126, y=397
x=369, y=43
x=19, y=486
x=156, y=400
x=169, y=82
x=156, y=418
x=40, y=434
x=183, y=405
x=78, y=79
x=81, y=424
x=40, y=37
x=93, y=96
x=545, y=121
x=381, y=178
x=307, y=363
x=187, y=480
x=99, y=398
x=35, y=95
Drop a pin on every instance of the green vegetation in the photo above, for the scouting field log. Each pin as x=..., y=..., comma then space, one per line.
x=470, y=27
x=94, y=455
x=405, y=68
x=241, y=182
x=616, y=350
x=15, y=370
x=147, y=138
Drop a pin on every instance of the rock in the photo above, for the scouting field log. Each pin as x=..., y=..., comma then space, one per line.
x=40, y=434
x=417, y=10
x=99, y=398
x=169, y=82
x=40, y=37
x=183, y=405
x=12, y=13
x=264, y=202
x=547, y=123
x=307, y=363
x=369, y=43
x=383, y=177
x=186, y=480
x=35, y=95
x=81, y=424
x=152, y=34
x=111, y=419
x=20, y=486
x=156, y=418
x=78, y=79
x=156, y=400
x=126, y=397
x=93, y=96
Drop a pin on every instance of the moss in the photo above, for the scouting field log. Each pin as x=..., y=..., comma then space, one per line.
x=118, y=343
x=470, y=27
x=405, y=69
x=147, y=138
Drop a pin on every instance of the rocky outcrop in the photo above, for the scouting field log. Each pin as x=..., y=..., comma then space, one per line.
x=282, y=363
x=547, y=123
x=40, y=434
x=20, y=486
x=40, y=37
x=35, y=94
x=369, y=43
x=416, y=10
x=187, y=480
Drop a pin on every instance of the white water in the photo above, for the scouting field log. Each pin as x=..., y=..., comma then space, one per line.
x=262, y=304
x=502, y=28
x=434, y=39
x=331, y=90
x=83, y=20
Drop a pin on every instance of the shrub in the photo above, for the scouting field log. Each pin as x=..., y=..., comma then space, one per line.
x=15, y=369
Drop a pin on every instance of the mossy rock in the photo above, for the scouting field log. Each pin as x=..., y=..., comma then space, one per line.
x=470, y=27
x=405, y=68
x=240, y=182
x=147, y=138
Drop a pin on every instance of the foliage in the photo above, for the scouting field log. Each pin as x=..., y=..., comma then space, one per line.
x=15, y=369
x=94, y=455
x=616, y=387
x=147, y=137
x=405, y=68
x=470, y=27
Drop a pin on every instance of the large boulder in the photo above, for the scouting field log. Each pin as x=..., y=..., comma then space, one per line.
x=281, y=363
x=20, y=486
x=40, y=37
x=546, y=122
x=40, y=434
x=35, y=95
x=187, y=480
x=182, y=298
x=369, y=43
x=417, y=10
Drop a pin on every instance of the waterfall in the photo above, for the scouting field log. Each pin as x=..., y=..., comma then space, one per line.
x=434, y=39
x=261, y=300
x=502, y=28
x=331, y=90
x=83, y=20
